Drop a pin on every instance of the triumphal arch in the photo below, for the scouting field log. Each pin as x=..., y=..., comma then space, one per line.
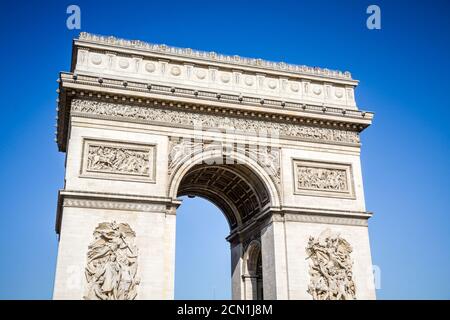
x=275, y=146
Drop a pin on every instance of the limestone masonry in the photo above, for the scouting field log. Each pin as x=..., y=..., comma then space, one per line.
x=275, y=146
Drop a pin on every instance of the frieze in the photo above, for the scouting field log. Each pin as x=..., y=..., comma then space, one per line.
x=181, y=150
x=327, y=219
x=322, y=178
x=117, y=160
x=320, y=218
x=199, y=120
x=114, y=205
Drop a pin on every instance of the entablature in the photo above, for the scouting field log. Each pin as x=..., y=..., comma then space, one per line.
x=73, y=86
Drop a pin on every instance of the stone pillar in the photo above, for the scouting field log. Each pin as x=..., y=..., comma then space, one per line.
x=275, y=276
x=300, y=228
x=154, y=228
x=251, y=286
x=237, y=290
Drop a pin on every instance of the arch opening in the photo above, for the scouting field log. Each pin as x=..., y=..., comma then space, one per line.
x=241, y=191
x=202, y=256
x=234, y=188
x=253, y=276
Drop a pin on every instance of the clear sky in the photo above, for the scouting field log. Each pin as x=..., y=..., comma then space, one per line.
x=404, y=73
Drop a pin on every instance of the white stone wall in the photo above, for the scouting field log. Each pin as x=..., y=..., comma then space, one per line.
x=273, y=246
x=84, y=129
x=325, y=155
x=284, y=239
x=297, y=235
x=285, y=270
x=155, y=240
x=208, y=75
x=155, y=231
x=237, y=288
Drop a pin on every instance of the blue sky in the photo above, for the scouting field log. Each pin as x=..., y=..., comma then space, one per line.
x=404, y=74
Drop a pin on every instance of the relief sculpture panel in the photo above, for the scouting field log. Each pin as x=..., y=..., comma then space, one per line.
x=323, y=179
x=112, y=263
x=330, y=268
x=174, y=117
x=110, y=160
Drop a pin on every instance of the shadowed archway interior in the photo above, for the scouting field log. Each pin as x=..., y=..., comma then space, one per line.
x=241, y=195
x=234, y=188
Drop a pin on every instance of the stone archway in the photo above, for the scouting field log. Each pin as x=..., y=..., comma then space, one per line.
x=209, y=158
x=233, y=188
x=239, y=186
x=141, y=124
x=253, y=277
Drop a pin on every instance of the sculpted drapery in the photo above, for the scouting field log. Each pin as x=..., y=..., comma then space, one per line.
x=331, y=267
x=112, y=263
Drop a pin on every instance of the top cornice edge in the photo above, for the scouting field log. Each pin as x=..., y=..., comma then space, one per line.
x=214, y=57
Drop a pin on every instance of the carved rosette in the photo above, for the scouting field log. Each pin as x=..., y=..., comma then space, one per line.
x=330, y=268
x=188, y=52
x=112, y=263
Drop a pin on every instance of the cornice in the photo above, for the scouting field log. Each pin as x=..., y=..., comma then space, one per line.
x=142, y=90
x=318, y=218
x=324, y=216
x=299, y=214
x=114, y=196
x=325, y=211
x=114, y=90
x=112, y=201
x=141, y=48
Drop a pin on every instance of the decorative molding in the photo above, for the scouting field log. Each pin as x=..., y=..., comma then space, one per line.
x=323, y=179
x=321, y=217
x=73, y=193
x=311, y=178
x=118, y=160
x=181, y=150
x=210, y=100
x=330, y=268
x=268, y=157
x=113, y=205
x=109, y=159
x=200, y=120
x=111, y=269
x=213, y=56
x=253, y=239
x=275, y=103
x=326, y=219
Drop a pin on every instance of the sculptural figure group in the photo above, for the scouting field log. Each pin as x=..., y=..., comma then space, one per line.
x=331, y=267
x=112, y=263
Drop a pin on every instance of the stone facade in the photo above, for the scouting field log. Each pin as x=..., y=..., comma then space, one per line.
x=276, y=147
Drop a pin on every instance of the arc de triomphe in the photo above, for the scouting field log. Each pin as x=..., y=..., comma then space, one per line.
x=275, y=146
